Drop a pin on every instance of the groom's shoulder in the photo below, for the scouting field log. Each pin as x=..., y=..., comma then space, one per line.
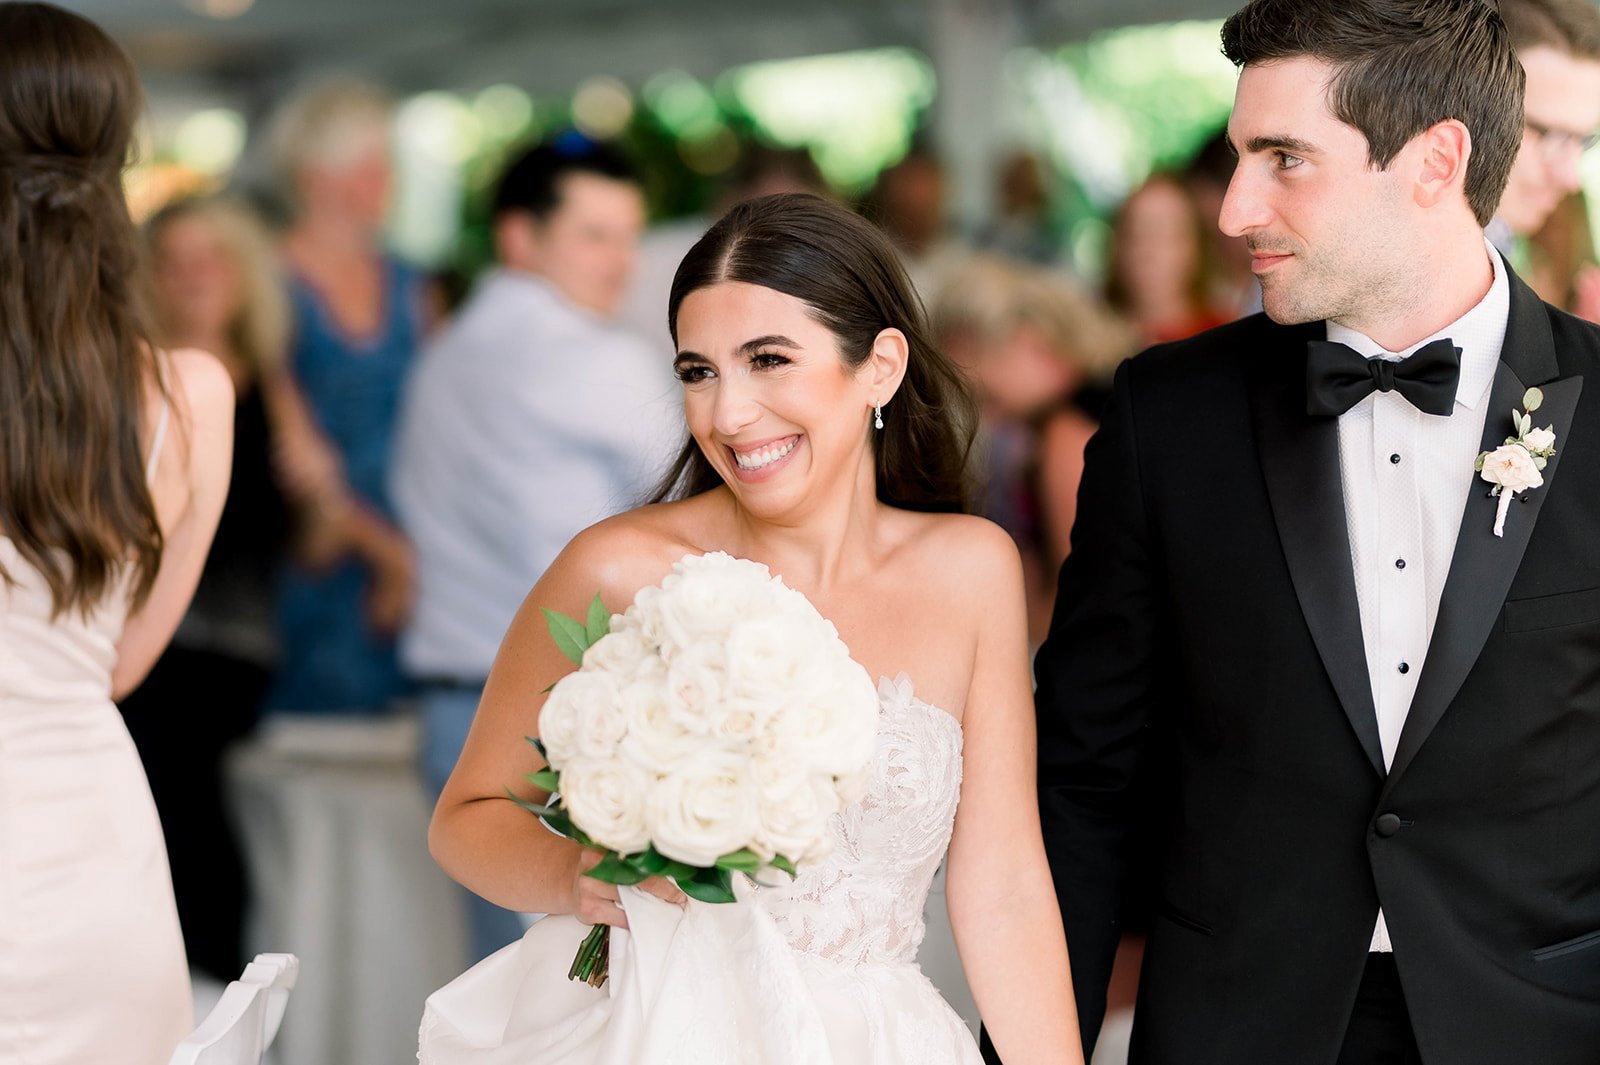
x=1577, y=340
x=1214, y=359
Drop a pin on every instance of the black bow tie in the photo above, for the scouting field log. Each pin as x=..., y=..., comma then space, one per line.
x=1338, y=377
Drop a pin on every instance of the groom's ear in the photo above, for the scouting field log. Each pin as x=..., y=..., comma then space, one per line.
x=886, y=364
x=1446, y=148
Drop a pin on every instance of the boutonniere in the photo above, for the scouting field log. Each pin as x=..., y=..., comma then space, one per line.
x=1517, y=465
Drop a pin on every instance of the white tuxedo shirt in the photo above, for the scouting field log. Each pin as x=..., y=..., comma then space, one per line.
x=1406, y=477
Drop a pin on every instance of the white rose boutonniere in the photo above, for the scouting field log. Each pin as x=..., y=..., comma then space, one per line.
x=1518, y=464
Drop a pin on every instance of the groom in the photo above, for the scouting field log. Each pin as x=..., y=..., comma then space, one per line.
x=1378, y=712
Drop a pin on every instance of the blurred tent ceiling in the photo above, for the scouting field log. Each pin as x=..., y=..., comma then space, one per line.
x=545, y=45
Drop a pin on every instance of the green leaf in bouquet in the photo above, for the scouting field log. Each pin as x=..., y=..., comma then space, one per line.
x=743, y=861
x=538, y=745
x=545, y=779
x=599, y=620
x=544, y=812
x=571, y=637
x=652, y=861
x=655, y=863
x=709, y=885
x=706, y=892
x=615, y=869
x=780, y=862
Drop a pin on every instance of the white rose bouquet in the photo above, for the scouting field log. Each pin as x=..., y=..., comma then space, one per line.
x=713, y=728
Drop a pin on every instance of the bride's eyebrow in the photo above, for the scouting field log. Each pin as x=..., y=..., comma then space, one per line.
x=749, y=347
x=772, y=340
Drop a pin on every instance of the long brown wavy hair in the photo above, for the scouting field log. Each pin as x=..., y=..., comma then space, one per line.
x=847, y=273
x=75, y=357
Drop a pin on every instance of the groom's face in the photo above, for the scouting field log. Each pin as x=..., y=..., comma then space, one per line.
x=1327, y=231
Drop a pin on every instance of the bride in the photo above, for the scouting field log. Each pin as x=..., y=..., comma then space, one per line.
x=829, y=443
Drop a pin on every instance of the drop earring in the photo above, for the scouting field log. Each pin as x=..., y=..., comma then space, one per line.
x=877, y=415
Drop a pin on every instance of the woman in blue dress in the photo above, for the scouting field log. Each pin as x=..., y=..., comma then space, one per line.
x=358, y=323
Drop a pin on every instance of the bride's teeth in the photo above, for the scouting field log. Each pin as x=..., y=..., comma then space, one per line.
x=765, y=457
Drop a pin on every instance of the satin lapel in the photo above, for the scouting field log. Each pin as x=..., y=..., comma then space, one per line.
x=1300, y=461
x=1484, y=564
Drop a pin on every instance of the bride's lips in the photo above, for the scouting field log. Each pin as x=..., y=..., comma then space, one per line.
x=772, y=446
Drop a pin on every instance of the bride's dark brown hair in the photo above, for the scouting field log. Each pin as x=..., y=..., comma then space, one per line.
x=847, y=274
x=75, y=357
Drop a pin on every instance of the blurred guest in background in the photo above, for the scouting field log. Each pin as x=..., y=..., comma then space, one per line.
x=1235, y=291
x=908, y=202
x=762, y=171
x=530, y=417
x=1021, y=228
x=1036, y=347
x=114, y=459
x=1558, y=42
x=1542, y=223
x=357, y=322
x=217, y=288
x=1560, y=259
x=1159, y=272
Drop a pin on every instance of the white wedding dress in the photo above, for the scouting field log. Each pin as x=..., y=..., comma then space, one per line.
x=821, y=971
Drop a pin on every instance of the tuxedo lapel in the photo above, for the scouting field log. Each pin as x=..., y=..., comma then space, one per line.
x=1300, y=462
x=1484, y=564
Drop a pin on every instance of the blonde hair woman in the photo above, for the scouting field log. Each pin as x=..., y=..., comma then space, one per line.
x=357, y=324
x=1039, y=350
x=218, y=286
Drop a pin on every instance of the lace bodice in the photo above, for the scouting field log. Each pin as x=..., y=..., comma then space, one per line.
x=863, y=904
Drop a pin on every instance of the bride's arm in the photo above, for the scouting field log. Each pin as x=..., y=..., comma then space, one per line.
x=479, y=835
x=1002, y=902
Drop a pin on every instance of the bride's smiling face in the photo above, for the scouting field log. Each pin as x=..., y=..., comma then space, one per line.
x=767, y=396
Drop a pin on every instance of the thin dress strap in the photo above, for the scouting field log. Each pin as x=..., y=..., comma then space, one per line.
x=162, y=419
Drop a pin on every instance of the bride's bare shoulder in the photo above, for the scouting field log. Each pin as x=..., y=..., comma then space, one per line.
x=963, y=555
x=632, y=550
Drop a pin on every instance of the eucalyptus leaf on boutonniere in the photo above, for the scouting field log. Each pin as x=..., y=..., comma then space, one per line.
x=1518, y=464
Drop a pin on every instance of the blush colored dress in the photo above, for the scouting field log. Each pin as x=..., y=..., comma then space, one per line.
x=92, y=968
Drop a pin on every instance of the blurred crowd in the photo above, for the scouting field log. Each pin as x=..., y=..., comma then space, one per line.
x=397, y=448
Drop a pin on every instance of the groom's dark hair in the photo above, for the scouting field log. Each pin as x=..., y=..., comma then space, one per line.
x=1401, y=67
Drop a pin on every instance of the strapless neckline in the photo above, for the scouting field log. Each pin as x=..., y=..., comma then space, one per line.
x=901, y=692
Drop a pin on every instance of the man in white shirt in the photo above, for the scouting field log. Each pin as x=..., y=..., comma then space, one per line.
x=1332, y=610
x=1558, y=42
x=531, y=416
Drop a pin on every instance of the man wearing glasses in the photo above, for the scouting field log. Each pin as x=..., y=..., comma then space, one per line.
x=1558, y=42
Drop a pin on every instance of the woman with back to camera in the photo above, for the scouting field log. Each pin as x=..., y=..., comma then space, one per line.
x=114, y=462
x=793, y=323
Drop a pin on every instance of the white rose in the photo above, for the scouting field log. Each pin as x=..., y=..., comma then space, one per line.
x=852, y=787
x=656, y=741
x=708, y=594
x=1540, y=439
x=834, y=732
x=694, y=686
x=606, y=798
x=704, y=809
x=602, y=727
x=619, y=652
x=1512, y=468
x=576, y=698
x=796, y=812
x=775, y=660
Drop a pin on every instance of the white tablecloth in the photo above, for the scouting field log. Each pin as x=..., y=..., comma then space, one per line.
x=334, y=823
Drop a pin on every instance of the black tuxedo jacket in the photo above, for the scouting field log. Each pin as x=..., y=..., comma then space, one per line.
x=1208, y=610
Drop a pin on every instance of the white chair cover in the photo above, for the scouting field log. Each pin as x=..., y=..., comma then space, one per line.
x=244, y=1022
